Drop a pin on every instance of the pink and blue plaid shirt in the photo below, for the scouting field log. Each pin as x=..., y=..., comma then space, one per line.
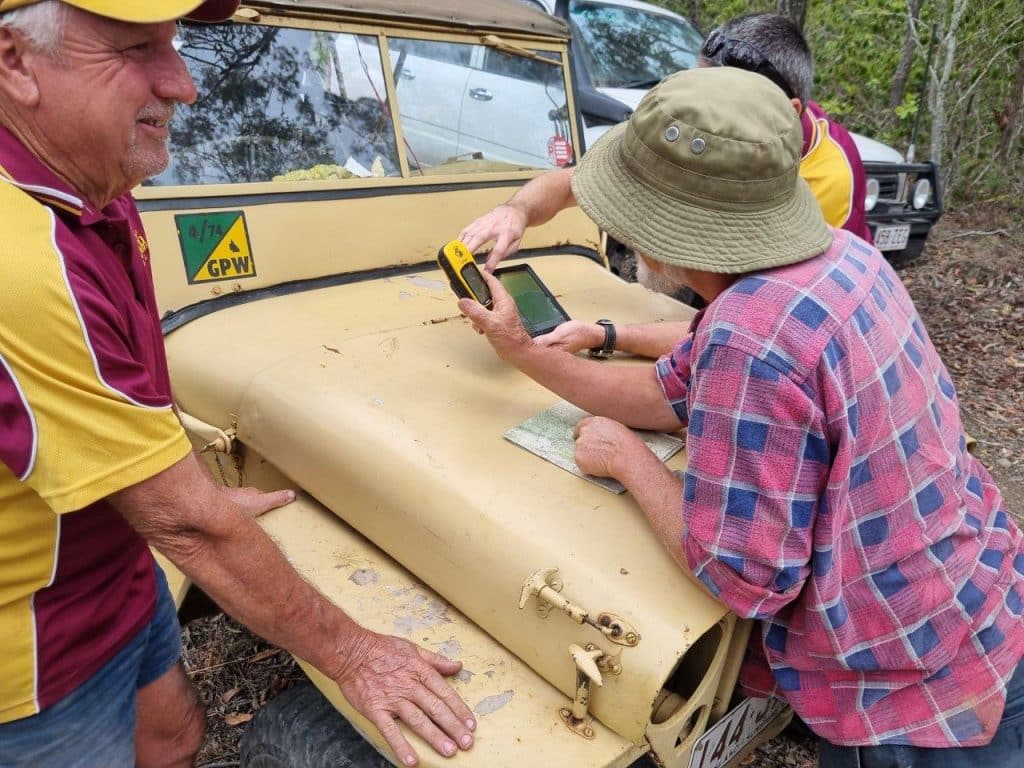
x=829, y=493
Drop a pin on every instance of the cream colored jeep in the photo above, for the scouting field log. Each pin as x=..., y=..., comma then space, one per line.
x=314, y=343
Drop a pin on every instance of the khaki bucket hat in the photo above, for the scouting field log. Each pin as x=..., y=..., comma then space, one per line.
x=145, y=11
x=705, y=175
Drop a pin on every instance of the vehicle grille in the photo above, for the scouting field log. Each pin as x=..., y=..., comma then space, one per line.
x=888, y=186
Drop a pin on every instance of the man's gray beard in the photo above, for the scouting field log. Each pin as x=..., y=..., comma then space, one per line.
x=655, y=281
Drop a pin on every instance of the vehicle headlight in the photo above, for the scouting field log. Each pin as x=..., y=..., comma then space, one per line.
x=871, y=198
x=922, y=194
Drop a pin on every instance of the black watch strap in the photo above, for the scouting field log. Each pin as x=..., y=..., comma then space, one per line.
x=608, y=348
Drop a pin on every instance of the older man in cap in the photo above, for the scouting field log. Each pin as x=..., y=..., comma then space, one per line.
x=828, y=490
x=94, y=465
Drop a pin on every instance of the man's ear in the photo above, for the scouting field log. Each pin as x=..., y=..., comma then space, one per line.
x=17, y=78
x=798, y=106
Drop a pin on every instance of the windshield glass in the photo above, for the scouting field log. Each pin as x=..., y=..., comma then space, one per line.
x=632, y=48
x=292, y=104
x=279, y=104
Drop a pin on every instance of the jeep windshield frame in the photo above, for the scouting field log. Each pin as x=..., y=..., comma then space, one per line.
x=272, y=103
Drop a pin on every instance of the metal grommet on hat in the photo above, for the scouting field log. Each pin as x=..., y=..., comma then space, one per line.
x=672, y=133
x=698, y=145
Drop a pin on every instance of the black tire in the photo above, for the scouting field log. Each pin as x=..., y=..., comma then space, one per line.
x=300, y=728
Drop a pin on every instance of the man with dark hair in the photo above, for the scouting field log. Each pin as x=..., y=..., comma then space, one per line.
x=771, y=45
x=828, y=491
x=94, y=464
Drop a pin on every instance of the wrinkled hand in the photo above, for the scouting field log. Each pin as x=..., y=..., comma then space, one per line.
x=500, y=324
x=505, y=225
x=573, y=336
x=255, y=502
x=388, y=678
x=602, y=444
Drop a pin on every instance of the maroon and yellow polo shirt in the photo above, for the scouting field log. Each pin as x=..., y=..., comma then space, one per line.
x=85, y=410
x=830, y=164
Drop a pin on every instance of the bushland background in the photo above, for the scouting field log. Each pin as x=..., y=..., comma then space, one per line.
x=955, y=67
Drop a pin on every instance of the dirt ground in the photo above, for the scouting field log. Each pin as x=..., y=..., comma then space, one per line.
x=968, y=286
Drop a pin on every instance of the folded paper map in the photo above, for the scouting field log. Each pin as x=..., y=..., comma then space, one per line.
x=549, y=435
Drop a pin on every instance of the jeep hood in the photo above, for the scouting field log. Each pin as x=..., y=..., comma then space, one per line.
x=379, y=400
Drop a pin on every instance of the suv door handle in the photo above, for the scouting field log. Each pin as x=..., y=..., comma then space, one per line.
x=480, y=94
x=407, y=74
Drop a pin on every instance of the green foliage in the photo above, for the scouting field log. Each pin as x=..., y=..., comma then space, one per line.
x=857, y=47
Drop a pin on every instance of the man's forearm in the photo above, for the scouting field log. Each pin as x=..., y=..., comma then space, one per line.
x=627, y=393
x=184, y=515
x=660, y=495
x=650, y=339
x=544, y=196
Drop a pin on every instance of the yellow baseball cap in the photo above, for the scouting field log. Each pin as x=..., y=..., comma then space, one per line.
x=145, y=11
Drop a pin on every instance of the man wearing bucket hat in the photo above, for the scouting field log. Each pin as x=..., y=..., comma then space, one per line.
x=828, y=490
x=94, y=464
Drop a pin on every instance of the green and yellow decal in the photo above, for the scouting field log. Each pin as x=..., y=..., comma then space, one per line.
x=215, y=246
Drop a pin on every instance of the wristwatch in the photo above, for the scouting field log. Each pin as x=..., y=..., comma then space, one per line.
x=608, y=348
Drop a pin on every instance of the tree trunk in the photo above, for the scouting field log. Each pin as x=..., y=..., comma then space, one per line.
x=940, y=82
x=899, y=80
x=1011, y=129
x=796, y=10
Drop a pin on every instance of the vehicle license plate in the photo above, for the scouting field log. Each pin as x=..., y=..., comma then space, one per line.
x=734, y=731
x=892, y=238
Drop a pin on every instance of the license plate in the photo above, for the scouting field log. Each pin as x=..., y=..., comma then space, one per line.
x=734, y=732
x=892, y=238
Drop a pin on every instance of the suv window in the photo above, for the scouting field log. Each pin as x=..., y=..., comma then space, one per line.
x=632, y=48
x=278, y=103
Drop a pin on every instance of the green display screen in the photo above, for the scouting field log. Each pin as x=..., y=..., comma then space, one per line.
x=471, y=274
x=538, y=309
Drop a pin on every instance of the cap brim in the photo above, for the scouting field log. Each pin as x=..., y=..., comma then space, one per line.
x=673, y=231
x=154, y=11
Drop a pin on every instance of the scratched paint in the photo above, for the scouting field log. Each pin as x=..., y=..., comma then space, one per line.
x=422, y=282
x=364, y=576
x=451, y=648
x=491, y=704
x=424, y=612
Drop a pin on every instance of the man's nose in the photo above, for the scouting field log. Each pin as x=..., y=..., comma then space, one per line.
x=173, y=80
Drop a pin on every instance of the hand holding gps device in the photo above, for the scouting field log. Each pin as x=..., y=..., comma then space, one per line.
x=463, y=274
x=538, y=309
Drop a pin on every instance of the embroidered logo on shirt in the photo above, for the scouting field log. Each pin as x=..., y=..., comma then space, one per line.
x=143, y=246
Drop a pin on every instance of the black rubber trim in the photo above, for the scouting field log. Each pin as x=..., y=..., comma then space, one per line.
x=317, y=195
x=906, y=216
x=175, y=319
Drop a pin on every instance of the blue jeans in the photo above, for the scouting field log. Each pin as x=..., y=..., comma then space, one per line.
x=94, y=725
x=1005, y=751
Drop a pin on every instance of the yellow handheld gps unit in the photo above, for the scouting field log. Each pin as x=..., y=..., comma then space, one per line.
x=463, y=274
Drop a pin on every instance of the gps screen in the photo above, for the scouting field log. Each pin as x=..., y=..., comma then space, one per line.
x=538, y=309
